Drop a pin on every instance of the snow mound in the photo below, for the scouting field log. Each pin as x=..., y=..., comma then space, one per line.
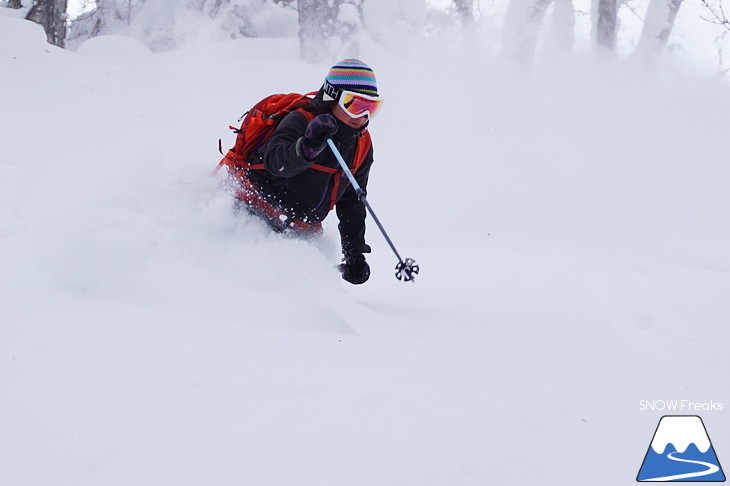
x=113, y=46
x=18, y=36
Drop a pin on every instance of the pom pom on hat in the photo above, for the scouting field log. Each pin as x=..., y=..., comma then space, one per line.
x=350, y=75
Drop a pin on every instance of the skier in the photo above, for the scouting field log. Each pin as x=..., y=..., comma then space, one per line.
x=300, y=180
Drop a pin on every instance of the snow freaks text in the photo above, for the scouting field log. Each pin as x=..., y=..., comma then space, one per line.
x=680, y=406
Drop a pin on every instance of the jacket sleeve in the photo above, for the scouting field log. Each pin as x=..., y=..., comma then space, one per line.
x=351, y=213
x=282, y=154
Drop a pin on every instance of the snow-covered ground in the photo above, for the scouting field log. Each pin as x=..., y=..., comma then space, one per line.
x=570, y=223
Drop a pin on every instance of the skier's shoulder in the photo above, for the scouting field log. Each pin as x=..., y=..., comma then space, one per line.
x=293, y=125
x=296, y=119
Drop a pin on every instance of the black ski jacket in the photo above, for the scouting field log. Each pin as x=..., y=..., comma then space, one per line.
x=304, y=193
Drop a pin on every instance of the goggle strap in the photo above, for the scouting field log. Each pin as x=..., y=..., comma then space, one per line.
x=331, y=91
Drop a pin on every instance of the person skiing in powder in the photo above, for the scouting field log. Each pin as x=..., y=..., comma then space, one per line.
x=301, y=182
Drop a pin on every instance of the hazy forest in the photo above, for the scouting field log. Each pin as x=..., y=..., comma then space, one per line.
x=517, y=29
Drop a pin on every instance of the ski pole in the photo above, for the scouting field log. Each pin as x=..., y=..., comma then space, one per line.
x=405, y=270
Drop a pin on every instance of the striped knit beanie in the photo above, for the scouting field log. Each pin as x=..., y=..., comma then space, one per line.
x=350, y=75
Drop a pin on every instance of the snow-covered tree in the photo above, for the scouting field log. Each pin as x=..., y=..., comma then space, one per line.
x=329, y=29
x=14, y=4
x=396, y=24
x=106, y=17
x=465, y=10
x=51, y=14
x=161, y=24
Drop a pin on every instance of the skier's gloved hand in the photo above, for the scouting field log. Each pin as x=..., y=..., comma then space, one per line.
x=355, y=269
x=315, y=137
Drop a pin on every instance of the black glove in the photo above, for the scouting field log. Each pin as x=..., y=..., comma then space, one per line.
x=315, y=137
x=355, y=269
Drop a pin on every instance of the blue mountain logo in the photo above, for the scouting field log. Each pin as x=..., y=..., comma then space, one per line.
x=681, y=451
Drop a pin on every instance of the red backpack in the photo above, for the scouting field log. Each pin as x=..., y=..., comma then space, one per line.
x=259, y=124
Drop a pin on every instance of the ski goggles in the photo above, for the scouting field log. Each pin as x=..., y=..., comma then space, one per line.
x=357, y=105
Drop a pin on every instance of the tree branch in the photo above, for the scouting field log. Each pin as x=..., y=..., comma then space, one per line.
x=718, y=14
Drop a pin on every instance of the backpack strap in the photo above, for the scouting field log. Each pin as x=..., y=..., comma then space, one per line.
x=307, y=114
x=364, y=143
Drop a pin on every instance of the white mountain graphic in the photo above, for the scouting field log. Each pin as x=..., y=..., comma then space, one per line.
x=680, y=431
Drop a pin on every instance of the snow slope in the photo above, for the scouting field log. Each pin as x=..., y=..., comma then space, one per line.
x=570, y=225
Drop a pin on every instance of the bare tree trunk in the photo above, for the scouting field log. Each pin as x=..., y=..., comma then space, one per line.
x=560, y=36
x=15, y=4
x=51, y=14
x=324, y=32
x=606, y=24
x=658, y=25
x=522, y=26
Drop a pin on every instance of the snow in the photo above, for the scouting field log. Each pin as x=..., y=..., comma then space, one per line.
x=681, y=432
x=570, y=224
x=112, y=46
